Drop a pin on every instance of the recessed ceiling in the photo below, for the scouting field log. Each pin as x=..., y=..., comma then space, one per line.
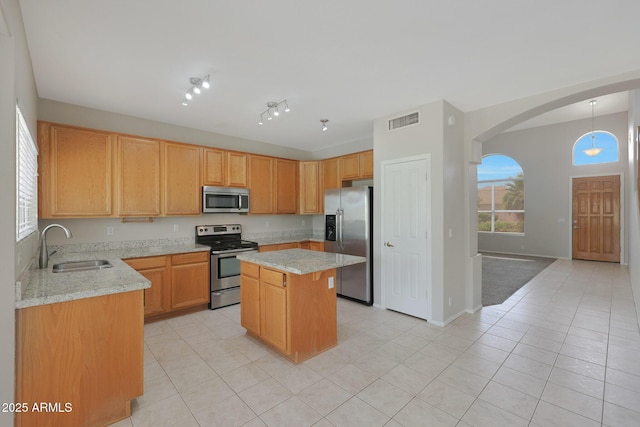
x=347, y=61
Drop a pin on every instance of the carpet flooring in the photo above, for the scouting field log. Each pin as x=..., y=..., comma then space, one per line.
x=502, y=275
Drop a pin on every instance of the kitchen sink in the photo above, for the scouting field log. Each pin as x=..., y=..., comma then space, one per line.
x=64, y=267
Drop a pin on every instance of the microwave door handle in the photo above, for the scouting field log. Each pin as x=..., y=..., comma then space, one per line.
x=239, y=202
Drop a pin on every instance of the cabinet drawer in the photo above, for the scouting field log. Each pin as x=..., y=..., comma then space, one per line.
x=190, y=258
x=272, y=277
x=250, y=269
x=146, y=263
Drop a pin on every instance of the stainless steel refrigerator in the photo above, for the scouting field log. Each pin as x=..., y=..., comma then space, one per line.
x=348, y=214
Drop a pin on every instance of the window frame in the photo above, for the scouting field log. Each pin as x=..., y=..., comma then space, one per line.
x=588, y=136
x=493, y=211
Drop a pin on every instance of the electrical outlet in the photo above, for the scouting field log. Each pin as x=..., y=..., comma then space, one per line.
x=331, y=285
x=176, y=228
x=303, y=222
x=109, y=231
x=268, y=224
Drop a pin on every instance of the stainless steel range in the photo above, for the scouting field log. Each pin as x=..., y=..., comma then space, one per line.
x=226, y=242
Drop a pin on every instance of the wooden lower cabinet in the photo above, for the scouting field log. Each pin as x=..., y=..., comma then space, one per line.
x=250, y=296
x=83, y=359
x=297, y=313
x=179, y=283
x=314, y=246
x=154, y=269
x=189, y=280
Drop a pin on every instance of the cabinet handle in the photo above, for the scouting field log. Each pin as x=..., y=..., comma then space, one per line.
x=284, y=280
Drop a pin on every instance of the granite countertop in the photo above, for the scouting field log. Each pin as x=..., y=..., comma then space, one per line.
x=300, y=261
x=42, y=286
x=278, y=240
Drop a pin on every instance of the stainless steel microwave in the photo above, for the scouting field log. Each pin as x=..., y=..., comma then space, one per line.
x=225, y=200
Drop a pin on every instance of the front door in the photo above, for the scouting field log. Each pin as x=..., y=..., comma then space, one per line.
x=405, y=255
x=596, y=218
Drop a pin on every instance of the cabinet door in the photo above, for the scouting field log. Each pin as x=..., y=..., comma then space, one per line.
x=316, y=246
x=350, y=166
x=156, y=298
x=213, y=166
x=330, y=175
x=155, y=301
x=189, y=284
x=310, y=200
x=366, y=164
x=286, y=186
x=250, y=297
x=261, y=173
x=77, y=172
x=181, y=179
x=236, y=169
x=273, y=308
x=138, y=172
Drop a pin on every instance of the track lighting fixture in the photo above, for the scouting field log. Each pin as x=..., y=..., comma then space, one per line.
x=324, y=124
x=273, y=110
x=197, y=84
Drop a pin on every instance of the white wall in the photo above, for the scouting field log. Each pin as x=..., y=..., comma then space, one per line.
x=16, y=83
x=545, y=154
x=445, y=143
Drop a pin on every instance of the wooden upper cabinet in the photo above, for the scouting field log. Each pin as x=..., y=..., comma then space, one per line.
x=139, y=176
x=224, y=168
x=366, y=164
x=236, y=169
x=213, y=166
x=76, y=172
x=261, y=184
x=331, y=174
x=357, y=165
x=181, y=179
x=311, y=194
x=350, y=166
x=286, y=186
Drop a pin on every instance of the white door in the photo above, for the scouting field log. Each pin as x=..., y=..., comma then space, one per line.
x=405, y=252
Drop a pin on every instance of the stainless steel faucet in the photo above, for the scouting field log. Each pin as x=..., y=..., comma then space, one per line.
x=44, y=252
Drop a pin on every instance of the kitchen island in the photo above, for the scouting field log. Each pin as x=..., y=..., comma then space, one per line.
x=288, y=299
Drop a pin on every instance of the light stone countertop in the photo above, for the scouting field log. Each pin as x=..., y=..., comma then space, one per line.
x=278, y=240
x=42, y=286
x=300, y=261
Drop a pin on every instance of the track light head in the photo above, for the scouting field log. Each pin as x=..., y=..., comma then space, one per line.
x=324, y=124
x=205, y=82
x=189, y=95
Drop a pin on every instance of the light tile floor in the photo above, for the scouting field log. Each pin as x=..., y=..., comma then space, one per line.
x=563, y=351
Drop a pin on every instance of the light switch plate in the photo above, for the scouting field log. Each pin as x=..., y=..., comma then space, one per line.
x=331, y=282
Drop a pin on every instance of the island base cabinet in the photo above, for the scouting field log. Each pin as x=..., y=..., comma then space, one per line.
x=81, y=362
x=294, y=314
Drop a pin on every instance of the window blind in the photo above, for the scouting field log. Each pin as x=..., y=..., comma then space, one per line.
x=26, y=180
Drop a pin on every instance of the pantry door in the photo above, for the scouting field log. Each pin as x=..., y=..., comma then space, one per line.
x=596, y=218
x=406, y=283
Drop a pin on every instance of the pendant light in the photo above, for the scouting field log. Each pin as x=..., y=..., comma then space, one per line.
x=593, y=151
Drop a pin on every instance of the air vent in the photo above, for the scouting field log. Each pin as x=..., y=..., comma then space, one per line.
x=400, y=122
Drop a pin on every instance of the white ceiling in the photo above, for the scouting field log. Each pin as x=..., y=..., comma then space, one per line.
x=349, y=61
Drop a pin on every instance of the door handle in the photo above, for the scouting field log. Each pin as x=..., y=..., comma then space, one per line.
x=575, y=227
x=389, y=245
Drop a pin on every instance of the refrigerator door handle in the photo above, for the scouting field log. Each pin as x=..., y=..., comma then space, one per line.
x=340, y=213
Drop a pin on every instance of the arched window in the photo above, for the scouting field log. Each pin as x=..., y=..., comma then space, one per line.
x=604, y=140
x=500, y=195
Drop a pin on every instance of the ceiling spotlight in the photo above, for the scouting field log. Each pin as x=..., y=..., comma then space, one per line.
x=273, y=109
x=260, y=121
x=185, y=102
x=188, y=95
x=324, y=124
x=205, y=82
x=196, y=89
